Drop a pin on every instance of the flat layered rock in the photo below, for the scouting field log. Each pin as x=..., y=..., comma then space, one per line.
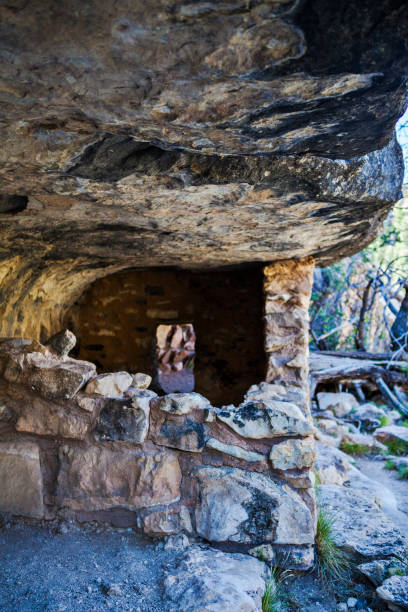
x=360, y=526
x=35, y=366
x=50, y=419
x=98, y=478
x=269, y=419
x=207, y=580
x=21, y=483
x=182, y=403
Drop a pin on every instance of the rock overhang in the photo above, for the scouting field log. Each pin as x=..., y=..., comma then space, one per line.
x=193, y=135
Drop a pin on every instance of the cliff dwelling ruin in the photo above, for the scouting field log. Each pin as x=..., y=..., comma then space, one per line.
x=170, y=174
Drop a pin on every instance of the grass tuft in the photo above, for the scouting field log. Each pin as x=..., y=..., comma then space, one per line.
x=352, y=448
x=384, y=420
x=397, y=447
x=389, y=465
x=274, y=598
x=403, y=473
x=333, y=564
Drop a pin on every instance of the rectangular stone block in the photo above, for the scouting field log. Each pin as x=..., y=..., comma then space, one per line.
x=99, y=478
x=21, y=485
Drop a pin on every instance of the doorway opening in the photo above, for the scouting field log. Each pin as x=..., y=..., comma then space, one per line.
x=175, y=354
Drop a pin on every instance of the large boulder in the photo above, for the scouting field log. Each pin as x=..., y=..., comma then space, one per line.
x=249, y=508
x=207, y=580
x=21, y=482
x=368, y=415
x=360, y=527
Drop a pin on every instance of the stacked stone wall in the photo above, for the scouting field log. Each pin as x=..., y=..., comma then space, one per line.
x=105, y=447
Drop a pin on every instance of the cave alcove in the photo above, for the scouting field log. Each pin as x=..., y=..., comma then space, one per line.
x=117, y=318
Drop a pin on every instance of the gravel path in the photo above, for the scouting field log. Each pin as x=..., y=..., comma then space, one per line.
x=395, y=497
x=79, y=571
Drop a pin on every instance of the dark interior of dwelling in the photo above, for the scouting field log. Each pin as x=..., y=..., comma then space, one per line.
x=119, y=319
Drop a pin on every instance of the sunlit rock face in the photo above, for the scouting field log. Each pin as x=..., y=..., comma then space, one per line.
x=190, y=134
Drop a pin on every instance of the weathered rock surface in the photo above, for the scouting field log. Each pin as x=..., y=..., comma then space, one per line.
x=141, y=381
x=33, y=365
x=62, y=343
x=340, y=403
x=293, y=454
x=207, y=580
x=369, y=415
x=185, y=435
x=379, y=570
x=97, y=478
x=21, y=484
x=49, y=419
x=360, y=526
x=124, y=420
x=332, y=465
x=182, y=403
x=395, y=591
x=110, y=385
x=269, y=419
x=190, y=135
x=249, y=508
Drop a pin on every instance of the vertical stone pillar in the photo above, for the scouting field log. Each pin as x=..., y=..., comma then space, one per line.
x=287, y=290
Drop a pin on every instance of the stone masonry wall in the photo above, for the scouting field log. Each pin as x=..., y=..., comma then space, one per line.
x=287, y=290
x=74, y=444
x=104, y=447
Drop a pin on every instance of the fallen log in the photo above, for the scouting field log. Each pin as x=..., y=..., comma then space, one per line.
x=326, y=368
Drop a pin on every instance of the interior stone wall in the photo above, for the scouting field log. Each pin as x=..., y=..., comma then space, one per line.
x=115, y=322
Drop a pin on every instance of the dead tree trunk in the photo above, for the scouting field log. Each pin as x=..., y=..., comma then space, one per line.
x=399, y=329
x=359, y=339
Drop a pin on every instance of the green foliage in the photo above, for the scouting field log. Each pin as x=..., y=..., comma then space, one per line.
x=274, y=598
x=353, y=448
x=389, y=465
x=384, y=420
x=404, y=423
x=403, y=473
x=333, y=564
x=397, y=447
